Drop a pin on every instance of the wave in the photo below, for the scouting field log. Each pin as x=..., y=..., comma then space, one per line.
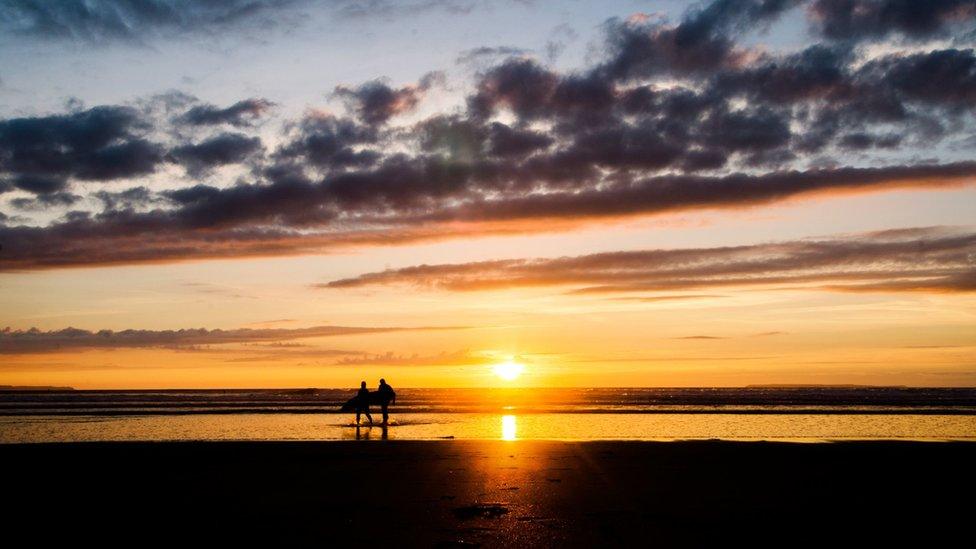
x=707, y=400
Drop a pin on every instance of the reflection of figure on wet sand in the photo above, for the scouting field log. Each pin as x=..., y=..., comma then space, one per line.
x=363, y=433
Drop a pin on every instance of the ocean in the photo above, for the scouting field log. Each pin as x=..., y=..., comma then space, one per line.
x=752, y=413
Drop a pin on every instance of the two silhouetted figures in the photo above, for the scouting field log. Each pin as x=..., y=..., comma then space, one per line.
x=384, y=396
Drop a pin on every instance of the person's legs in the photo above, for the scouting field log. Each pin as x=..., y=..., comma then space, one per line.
x=386, y=415
x=357, y=417
x=369, y=417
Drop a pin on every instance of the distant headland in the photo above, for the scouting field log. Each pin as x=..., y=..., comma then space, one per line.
x=823, y=386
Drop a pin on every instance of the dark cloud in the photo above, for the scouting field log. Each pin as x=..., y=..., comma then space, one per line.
x=861, y=141
x=226, y=148
x=134, y=197
x=204, y=206
x=532, y=91
x=73, y=339
x=375, y=102
x=759, y=129
x=816, y=72
x=38, y=184
x=856, y=20
x=933, y=259
x=703, y=41
x=241, y=114
x=421, y=200
x=46, y=201
x=101, y=144
x=514, y=142
x=942, y=77
x=673, y=118
x=133, y=21
x=677, y=193
x=129, y=159
x=328, y=142
x=520, y=84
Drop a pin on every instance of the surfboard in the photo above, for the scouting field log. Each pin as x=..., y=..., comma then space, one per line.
x=375, y=399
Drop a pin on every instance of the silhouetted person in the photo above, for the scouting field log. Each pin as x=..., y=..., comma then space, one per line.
x=362, y=403
x=387, y=396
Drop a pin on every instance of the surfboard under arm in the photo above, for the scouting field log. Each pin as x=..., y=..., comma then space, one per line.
x=375, y=398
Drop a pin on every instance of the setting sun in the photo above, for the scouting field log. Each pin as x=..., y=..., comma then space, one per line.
x=508, y=370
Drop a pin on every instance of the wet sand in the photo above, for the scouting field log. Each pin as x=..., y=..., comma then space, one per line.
x=491, y=493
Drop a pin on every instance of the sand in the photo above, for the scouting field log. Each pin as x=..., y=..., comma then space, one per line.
x=490, y=493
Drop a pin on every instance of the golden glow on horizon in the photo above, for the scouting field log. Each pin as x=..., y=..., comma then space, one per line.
x=508, y=370
x=528, y=337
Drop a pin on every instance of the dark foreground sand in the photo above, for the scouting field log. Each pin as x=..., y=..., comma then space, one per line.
x=491, y=493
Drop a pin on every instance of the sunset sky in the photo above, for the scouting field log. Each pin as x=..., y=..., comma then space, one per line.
x=286, y=193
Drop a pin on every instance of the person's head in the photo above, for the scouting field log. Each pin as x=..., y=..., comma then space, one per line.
x=362, y=384
x=382, y=381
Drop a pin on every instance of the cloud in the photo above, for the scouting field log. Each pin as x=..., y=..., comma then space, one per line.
x=671, y=117
x=460, y=358
x=73, y=339
x=38, y=184
x=45, y=201
x=520, y=84
x=134, y=197
x=679, y=193
x=101, y=144
x=241, y=114
x=702, y=42
x=327, y=142
x=942, y=77
x=857, y=20
x=108, y=21
x=927, y=259
x=214, y=222
x=482, y=53
x=657, y=298
x=398, y=9
x=226, y=148
x=375, y=102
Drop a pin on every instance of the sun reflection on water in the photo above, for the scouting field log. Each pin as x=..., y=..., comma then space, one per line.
x=521, y=426
x=508, y=428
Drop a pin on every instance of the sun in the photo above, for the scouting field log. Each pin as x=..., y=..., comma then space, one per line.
x=508, y=370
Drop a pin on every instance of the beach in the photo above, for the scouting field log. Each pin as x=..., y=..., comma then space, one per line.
x=471, y=493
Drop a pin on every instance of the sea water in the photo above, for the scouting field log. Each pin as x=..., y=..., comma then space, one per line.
x=755, y=413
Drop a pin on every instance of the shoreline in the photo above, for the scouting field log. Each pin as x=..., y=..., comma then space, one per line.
x=224, y=411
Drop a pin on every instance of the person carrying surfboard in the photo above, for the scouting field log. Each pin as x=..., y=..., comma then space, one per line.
x=386, y=397
x=362, y=403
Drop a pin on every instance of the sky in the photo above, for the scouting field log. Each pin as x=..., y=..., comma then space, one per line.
x=288, y=193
